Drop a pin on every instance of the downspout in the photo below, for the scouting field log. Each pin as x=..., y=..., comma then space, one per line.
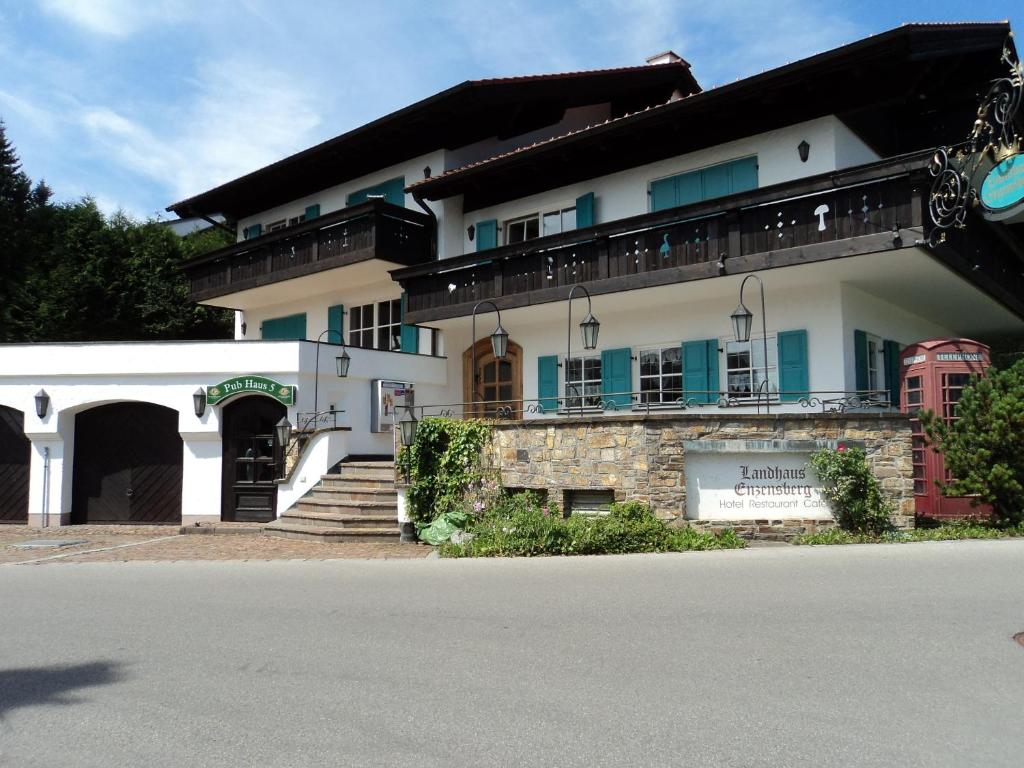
x=433, y=217
x=45, y=516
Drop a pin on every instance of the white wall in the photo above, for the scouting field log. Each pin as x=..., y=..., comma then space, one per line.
x=623, y=194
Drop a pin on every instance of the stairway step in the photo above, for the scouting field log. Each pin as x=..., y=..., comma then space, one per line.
x=328, y=533
x=349, y=471
x=314, y=503
x=339, y=519
x=357, y=480
x=356, y=493
x=374, y=464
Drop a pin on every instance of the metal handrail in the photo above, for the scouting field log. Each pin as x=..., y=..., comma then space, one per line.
x=828, y=401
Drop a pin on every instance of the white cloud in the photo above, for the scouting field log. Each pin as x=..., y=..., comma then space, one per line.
x=117, y=18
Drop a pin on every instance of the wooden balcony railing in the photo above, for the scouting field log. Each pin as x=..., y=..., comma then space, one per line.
x=828, y=216
x=374, y=229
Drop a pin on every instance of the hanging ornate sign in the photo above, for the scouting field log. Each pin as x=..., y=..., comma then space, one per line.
x=252, y=385
x=986, y=171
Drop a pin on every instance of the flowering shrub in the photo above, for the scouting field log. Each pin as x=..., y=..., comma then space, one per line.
x=857, y=501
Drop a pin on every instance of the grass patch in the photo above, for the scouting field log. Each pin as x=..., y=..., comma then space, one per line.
x=947, y=532
x=519, y=527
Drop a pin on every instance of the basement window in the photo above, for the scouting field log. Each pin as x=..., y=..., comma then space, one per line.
x=588, y=502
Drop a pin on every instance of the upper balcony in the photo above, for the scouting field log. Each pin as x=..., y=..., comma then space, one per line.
x=882, y=206
x=371, y=230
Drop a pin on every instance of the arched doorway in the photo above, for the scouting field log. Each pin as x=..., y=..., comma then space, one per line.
x=251, y=460
x=499, y=383
x=14, y=466
x=127, y=466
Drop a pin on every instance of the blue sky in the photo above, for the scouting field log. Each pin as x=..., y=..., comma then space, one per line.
x=140, y=103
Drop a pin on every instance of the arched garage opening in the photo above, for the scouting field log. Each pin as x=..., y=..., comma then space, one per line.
x=128, y=465
x=14, y=466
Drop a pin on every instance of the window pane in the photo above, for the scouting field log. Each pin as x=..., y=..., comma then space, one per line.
x=648, y=362
x=504, y=371
x=532, y=229
x=552, y=224
x=516, y=232
x=355, y=318
x=671, y=360
x=384, y=313
x=568, y=219
x=489, y=373
x=505, y=392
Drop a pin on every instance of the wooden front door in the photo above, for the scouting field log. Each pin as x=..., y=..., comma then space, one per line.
x=251, y=459
x=127, y=465
x=14, y=466
x=498, y=383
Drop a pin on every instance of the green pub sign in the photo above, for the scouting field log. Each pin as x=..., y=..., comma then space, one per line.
x=253, y=385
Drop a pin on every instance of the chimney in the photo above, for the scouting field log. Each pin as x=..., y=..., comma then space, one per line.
x=667, y=57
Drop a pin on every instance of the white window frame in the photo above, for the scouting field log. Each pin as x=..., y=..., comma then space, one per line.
x=582, y=401
x=876, y=363
x=276, y=225
x=539, y=217
x=375, y=327
x=660, y=376
x=756, y=345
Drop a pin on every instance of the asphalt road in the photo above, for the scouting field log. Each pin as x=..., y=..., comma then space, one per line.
x=896, y=655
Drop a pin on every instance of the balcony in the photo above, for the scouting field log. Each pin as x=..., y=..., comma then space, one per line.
x=877, y=207
x=371, y=230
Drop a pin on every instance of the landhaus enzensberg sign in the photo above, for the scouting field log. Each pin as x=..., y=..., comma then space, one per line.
x=743, y=480
x=258, y=385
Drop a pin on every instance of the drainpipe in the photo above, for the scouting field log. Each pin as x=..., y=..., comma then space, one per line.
x=46, y=487
x=433, y=217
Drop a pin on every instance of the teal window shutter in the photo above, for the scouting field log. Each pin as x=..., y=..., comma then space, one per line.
x=892, y=371
x=793, y=376
x=547, y=382
x=393, y=191
x=486, y=234
x=410, y=334
x=744, y=174
x=617, y=376
x=716, y=181
x=312, y=211
x=700, y=370
x=585, y=210
x=689, y=188
x=284, y=328
x=860, y=360
x=336, y=323
x=663, y=194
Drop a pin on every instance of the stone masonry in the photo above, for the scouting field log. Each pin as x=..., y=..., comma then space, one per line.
x=643, y=457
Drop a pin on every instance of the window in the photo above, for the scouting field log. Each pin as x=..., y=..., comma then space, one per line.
x=296, y=219
x=274, y=226
x=589, y=502
x=744, y=367
x=913, y=399
x=952, y=390
x=376, y=326
x=704, y=184
x=583, y=382
x=876, y=367
x=661, y=374
x=530, y=227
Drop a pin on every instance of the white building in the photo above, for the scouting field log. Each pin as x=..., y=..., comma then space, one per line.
x=656, y=197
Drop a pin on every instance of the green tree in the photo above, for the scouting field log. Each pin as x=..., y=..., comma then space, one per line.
x=983, y=447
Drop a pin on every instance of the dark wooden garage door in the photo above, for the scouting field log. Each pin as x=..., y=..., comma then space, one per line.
x=14, y=462
x=128, y=459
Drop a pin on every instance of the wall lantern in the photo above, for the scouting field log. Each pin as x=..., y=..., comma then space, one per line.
x=742, y=319
x=804, y=149
x=499, y=342
x=407, y=428
x=283, y=432
x=42, y=403
x=342, y=362
x=199, y=402
x=470, y=232
x=426, y=172
x=589, y=328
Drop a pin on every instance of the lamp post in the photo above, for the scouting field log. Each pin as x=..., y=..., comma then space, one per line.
x=589, y=329
x=499, y=346
x=341, y=362
x=742, y=320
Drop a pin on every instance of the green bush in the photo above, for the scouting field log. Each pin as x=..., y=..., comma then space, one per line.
x=443, y=465
x=847, y=482
x=520, y=527
x=950, y=531
x=984, y=447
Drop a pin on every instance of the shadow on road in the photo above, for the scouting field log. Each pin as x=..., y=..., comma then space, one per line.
x=29, y=686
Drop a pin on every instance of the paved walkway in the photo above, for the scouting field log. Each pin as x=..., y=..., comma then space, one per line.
x=113, y=543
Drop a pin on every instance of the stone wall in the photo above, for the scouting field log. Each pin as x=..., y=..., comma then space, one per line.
x=644, y=458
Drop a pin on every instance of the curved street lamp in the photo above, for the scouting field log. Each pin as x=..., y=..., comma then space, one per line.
x=589, y=329
x=341, y=363
x=742, y=320
x=499, y=346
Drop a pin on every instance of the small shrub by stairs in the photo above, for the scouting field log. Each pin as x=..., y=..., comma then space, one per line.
x=357, y=502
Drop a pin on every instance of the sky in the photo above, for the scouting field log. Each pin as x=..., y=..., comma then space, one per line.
x=141, y=103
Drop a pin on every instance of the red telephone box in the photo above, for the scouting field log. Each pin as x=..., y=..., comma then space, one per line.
x=933, y=375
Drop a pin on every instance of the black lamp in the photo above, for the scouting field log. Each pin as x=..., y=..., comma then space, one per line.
x=742, y=320
x=342, y=361
x=42, y=403
x=199, y=402
x=589, y=328
x=283, y=431
x=407, y=427
x=499, y=342
x=804, y=149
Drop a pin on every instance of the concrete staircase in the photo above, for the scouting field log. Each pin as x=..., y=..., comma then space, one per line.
x=355, y=503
